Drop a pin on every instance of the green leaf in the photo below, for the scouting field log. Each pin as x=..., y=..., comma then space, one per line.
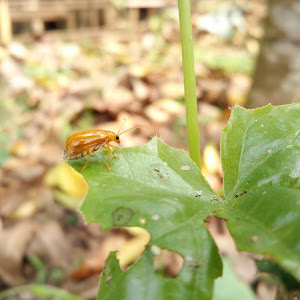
x=260, y=152
x=38, y=291
x=229, y=286
x=161, y=189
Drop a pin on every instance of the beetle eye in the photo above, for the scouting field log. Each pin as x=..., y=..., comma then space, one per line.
x=117, y=137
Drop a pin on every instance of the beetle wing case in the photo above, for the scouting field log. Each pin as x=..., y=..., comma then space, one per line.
x=83, y=140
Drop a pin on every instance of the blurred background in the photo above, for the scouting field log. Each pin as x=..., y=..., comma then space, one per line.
x=71, y=65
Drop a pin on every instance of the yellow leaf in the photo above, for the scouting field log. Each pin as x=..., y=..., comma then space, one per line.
x=25, y=210
x=19, y=148
x=132, y=249
x=68, y=186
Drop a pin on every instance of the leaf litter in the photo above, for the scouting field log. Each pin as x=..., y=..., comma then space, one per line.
x=53, y=88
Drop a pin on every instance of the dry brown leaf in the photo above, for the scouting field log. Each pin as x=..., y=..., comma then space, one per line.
x=243, y=264
x=52, y=245
x=140, y=89
x=12, y=198
x=29, y=173
x=173, y=107
x=157, y=115
x=95, y=264
x=139, y=70
x=172, y=90
x=13, y=245
x=87, y=288
x=80, y=87
x=26, y=210
x=214, y=90
x=167, y=261
x=117, y=99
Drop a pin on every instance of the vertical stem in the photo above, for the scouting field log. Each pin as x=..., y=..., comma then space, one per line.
x=189, y=80
x=5, y=23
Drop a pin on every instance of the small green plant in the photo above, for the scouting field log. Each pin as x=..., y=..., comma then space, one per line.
x=162, y=190
x=37, y=291
x=43, y=274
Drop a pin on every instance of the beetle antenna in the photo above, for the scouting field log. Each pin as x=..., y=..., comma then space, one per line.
x=121, y=127
x=133, y=128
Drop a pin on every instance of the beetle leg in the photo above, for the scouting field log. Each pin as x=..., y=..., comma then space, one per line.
x=113, y=152
x=86, y=163
x=108, y=157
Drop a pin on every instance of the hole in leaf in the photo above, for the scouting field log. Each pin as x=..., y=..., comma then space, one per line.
x=129, y=242
x=133, y=248
x=166, y=262
x=216, y=226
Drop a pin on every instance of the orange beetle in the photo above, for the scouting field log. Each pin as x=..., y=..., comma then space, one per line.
x=83, y=143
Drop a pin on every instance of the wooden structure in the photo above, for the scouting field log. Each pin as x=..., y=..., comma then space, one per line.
x=35, y=15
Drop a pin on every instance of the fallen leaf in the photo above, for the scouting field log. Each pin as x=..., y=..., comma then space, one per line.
x=26, y=209
x=140, y=89
x=13, y=245
x=52, y=246
x=94, y=264
x=68, y=185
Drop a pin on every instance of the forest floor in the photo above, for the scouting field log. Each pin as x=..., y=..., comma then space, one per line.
x=65, y=83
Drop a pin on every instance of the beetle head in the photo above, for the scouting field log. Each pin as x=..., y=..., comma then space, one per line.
x=117, y=138
x=113, y=137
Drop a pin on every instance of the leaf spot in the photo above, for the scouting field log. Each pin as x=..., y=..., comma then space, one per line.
x=269, y=151
x=194, y=264
x=122, y=216
x=254, y=238
x=214, y=198
x=160, y=172
x=188, y=258
x=155, y=250
x=142, y=221
x=155, y=217
x=185, y=168
x=108, y=279
x=198, y=193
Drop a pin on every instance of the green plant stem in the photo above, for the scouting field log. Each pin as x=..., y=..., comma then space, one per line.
x=189, y=80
